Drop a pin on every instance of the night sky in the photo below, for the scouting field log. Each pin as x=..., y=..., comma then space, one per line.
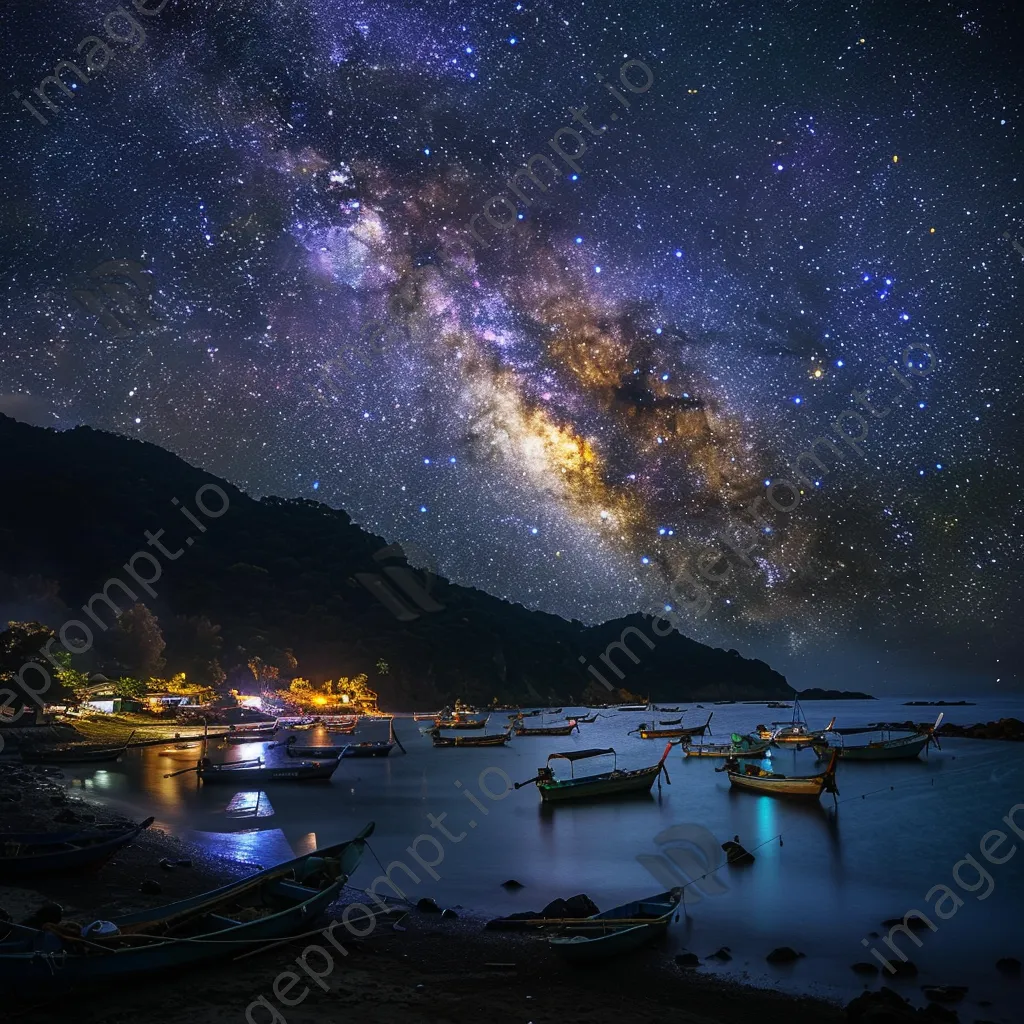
x=244, y=237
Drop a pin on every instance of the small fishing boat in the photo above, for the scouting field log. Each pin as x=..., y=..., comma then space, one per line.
x=631, y=707
x=497, y=740
x=740, y=747
x=582, y=721
x=756, y=779
x=255, y=772
x=670, y=721
x=235, y=918
x=903, y=748
x=47, y=853
x=461, y=723
x=777, y=704
x=546, y=730
x=605, y=784
x=368, y=748
x=665, y=711
x=674, y=732
x=796, y=732
x=251, y=734
x=84, y=753
x=617, y=931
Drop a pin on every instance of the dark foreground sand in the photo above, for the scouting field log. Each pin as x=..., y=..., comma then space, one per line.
x=420, y=969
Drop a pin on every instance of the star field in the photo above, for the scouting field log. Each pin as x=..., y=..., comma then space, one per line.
x=574, y=412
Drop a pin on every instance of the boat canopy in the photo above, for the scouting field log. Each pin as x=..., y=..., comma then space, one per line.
x=579, y=755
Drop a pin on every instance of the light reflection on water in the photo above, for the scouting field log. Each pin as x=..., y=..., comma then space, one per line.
x=899, y=829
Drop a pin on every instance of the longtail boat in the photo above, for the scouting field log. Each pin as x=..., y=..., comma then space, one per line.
x=546, y=730
x=670, y=721
x=606, y=784
x=796, y=732
x=85, y=753
x=46, y=853
x=255, y=772
x=294, y=749
x=250, y=735
x=675, y=732
x=233, y=919
x=582, y=721
x=903, y=748
x=740, y=747
x=461, y=723
x=758, y=780
x=617, y=931
x=368, y=748
x=497, y=740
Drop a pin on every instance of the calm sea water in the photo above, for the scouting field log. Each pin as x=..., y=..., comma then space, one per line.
x=824, y=877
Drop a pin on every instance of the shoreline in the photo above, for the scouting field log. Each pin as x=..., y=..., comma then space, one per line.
x=414, y=966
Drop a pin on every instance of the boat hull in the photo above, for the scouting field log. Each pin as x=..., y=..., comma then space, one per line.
x=301, y=772
x=726, y=750
x=24, y=854
x=43, y=958
x=471, y=741
x=888, y=750
x=596, y=787
x=612, y=940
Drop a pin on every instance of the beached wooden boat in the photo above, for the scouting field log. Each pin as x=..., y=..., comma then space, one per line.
x=85, y=753
x=740, y=747
x=234, y=919
x=903, y=748
x=674, y=732
x=497, y=740
x=546, y=730
x=617, y=931
x=605, y=784
x=755, y=779
x=47, y=853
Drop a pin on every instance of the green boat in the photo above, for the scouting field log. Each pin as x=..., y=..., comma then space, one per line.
x=741, y=746
x=617, y=931
x=591, y=787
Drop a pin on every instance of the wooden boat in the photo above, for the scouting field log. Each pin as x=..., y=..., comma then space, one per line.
x=671, y=721
x=674, y=732
x=320, y=752
x=665, y=711
x=235, y=918
x=757, y=780
x=630, y=707
x=85, y=753
x=368, y=748
x=256, y=773
x=546, y=730
x=605, y=784
x=796, y=732
x=460, y=723
x=582, y=721
x=903, y=748
x=740, y=747
x=250, y=735
x=497, y=740
x=45, y=853
x=617, y=931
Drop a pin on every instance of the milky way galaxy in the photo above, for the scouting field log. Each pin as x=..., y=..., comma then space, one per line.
x=801, y=228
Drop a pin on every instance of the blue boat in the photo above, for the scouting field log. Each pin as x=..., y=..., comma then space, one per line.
x=234, y=919
x=619, y=930
x=48, y=853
